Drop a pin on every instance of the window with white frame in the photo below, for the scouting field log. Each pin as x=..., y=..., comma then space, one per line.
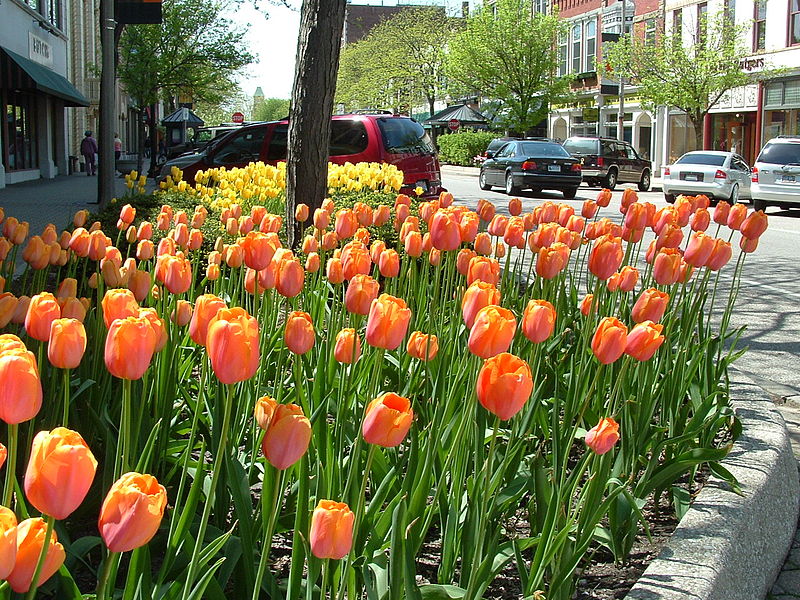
x=591, y=44
x=563, y=52
x=650, y=31
x=540, y=6
x=577, y=34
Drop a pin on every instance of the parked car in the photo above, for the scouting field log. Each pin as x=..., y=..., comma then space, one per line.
x=532, y=164
x=718, y=175
x=354, y=138
x=496, y=144
x=776, y=174
x=205, y=134
x=607, y=161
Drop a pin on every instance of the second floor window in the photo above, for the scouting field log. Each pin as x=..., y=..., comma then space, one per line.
x=677, y=22
x=591, y=44
x=760, y=25
x=702, y=14
x=794, y=22
x=576, y=46
x=650, y=32
x=540, y=6
x=54, y=13
x=563, y=47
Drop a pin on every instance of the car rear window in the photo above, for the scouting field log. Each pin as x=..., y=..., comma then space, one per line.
x=498, y=143
x=545, y=149
x=404, y=136
x=712, y=160
x=581, y=146
x=780, y=154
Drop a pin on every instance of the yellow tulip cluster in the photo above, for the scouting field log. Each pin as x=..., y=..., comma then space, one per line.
x=257, y=183
x=133, y=179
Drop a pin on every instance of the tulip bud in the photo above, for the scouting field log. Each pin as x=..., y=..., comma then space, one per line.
x=132, y=512
x=118, y=304
x=504, y=385
x=609, y=340
x=287, y=437
x=387, y=420
x=348, y=346
x=422, y=346
x=603, y=436
x=331, y=533
x=754, y=225
x=492, y=332
x=643, y=340
x=264, y=411
x=538, y=320
x=8, y=540
x=387, y=322
x=232, y=343
x=20, y=386
x=30, y=541
x=182, y=314
x=67, y=343
x=130, y=345
x=42, y=311
x=299, y=333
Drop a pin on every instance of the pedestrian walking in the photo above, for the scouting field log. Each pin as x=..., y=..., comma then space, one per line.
x=117, y=146
x=89, y=151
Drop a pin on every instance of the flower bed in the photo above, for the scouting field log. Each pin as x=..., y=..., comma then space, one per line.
x=364, y=403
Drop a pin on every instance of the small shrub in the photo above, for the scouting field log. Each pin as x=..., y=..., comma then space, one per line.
x=461, y=148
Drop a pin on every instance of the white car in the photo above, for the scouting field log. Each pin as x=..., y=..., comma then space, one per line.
x=718, y=175
x=776, y=174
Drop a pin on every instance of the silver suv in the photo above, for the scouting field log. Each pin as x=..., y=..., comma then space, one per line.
x=776, y=174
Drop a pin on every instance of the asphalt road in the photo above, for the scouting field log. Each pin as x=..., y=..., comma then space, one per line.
x=769, y=298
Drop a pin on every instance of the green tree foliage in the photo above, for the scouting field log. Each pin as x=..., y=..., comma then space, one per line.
x=195, y=52
x=461, y=148
x=508, y=52
x=400, y=63
x=688, y=70
x=272, y=109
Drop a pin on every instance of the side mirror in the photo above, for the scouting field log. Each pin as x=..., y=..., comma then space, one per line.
x=490, y=153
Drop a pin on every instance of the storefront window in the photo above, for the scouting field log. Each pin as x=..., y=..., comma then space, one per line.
x=781, y=122
x=681, y=136
x=20, y=138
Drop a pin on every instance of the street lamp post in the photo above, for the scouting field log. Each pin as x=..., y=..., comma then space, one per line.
x=621, y=111
x=106, y=168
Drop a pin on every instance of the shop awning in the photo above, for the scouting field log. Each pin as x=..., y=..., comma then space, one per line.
x=461, y=112
x=37, y=77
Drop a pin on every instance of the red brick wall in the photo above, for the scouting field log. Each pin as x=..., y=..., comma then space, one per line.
x=573, y=8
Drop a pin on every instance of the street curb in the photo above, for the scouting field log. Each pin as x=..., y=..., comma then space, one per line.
x=729, y=546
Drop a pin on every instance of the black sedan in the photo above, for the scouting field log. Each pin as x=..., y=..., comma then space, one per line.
x=532, y=164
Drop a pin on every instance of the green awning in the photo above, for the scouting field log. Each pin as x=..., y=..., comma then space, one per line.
x=45, y=80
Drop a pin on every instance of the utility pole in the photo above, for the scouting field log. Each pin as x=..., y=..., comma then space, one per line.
x=621, y=112
x=105, y=140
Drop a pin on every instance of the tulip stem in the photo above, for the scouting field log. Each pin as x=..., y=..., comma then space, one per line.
x=11, y=464
x=266, y=546
x=215, y=473
x=42, y=556
x=65, y=418
x=105, y=576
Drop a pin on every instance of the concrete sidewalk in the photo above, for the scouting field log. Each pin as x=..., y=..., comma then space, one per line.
x=44, y=201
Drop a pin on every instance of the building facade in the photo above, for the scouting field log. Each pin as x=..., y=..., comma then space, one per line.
x=35, y=90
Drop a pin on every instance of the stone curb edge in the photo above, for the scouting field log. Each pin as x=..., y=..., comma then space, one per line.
x=727, y=546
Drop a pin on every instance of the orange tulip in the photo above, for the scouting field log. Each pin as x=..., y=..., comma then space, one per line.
x=754, y=225
x=445, y=232
x=355, y=260
x=387, y=322
x=291, y=278
x=699, y=249
x=609, y=340
x=589, y=209
x=483, y=268
x=345, y=224
x=623, y=281
x=334, y=271
x=21, y=311
x=465, y=255
x=477, y=296
x=20, y=387
x=603, y=436
x=118, y=304
x=701, y=219
x=514, y=235
x=130, y=345
x=469, y=227
x=720, y=255
x=721, y=212
x=497, y=226
x=158, y=325
x=736, y=216
x=643, y=340
x=8, y=305
x=264, y=411
x=175, y=273
x=747, y=246
x=8, y=541
x=30, y=541
x=299, y=333
x=259, y=249
x=651, y=306
x=363, y=213
x=182, y=314
x=492, y=332
x=42, y=311
x=322, y=219
x=348, y=346
x=74, y=308
x=166, y=246
x=387, y=420
x=301, y=213
x=538, y=320
x=486, y=210
x=381, y=215
x=67, y=343
x=422, y=346
x=666, y=268
x=287, y=437
x=331, y=533
x=504, y=385
x=606, y=256
x=132, y=512
x=551, y=261
x=587, y=305
x=361, y=291
x=233, y=345
x=389, y=263
x=60, y=472
x=515, y=207
x=206, y=308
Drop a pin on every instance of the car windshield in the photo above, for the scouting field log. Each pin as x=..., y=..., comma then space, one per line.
x=780, y=154
x=545, y=149
x=581, y=146
x=712, y=160
x=404, y=136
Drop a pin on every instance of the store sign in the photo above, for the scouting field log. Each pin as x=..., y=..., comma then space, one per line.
x=135, y=12
x=39, y=50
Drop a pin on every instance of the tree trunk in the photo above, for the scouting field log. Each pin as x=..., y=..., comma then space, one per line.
x=140, y=141
x=153, y=141
x=698, y=123
x=431, y=102
x=321, y=23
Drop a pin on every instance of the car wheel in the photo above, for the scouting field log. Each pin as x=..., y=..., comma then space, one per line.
x=610, y=181
x=670, y=198
x=644, y=183
x=482, y=181
x=759, y=205
x=734, y=199
x=511, y=189
x=569, y=193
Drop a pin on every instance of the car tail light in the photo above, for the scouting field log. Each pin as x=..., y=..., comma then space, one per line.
x=575, y=167
x=529, y=165
x=600, y=161
x=720, y=174
x=754, y=175
x=666, y=171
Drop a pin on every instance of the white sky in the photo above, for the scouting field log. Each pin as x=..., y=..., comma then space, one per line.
x=274, y=40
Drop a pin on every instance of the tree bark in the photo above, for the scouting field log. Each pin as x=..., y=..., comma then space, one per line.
x=321, y=23
x=140, y=141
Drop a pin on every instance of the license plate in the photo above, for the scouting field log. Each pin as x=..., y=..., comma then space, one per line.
x=555, y=168
x=692, y=177
x=789, y=179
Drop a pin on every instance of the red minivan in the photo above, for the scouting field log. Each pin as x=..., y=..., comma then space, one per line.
x=355, y=138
